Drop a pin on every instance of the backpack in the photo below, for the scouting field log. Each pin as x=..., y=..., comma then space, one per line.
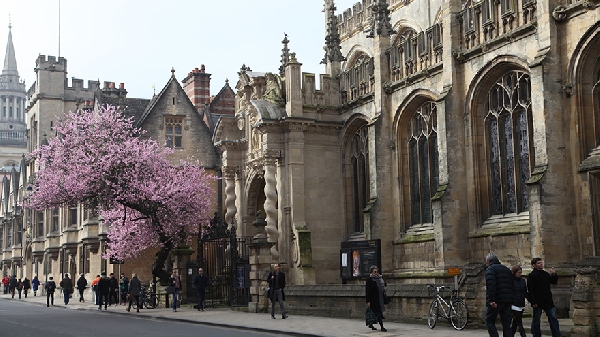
x=51, y=286
x=20, y=286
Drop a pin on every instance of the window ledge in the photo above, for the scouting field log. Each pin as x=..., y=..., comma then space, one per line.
x=418, y=233
x=509, y=224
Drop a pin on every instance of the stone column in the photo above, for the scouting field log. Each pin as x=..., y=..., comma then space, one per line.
x=260, y=265
x=270, y=209
x=231, y=209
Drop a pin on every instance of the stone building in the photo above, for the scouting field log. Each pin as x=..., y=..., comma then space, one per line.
x=71, y=239
x=444, y=129
x=13, y=143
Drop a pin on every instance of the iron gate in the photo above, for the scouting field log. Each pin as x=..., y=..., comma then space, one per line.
x=224, y=258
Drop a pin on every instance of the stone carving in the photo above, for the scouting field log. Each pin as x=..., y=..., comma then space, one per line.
x=273, y=91
x=270, y=209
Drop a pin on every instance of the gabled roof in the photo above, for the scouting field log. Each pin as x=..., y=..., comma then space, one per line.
x=157, y=98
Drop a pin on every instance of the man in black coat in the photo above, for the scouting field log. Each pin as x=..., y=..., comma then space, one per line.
x=499, y=292
x=276, y=282
x=81, y=285
x=67, y=287
x=103, y=290
x=200, y=282
x=540, y=296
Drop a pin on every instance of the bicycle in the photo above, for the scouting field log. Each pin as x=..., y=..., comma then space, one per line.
x=147, y=298
x=455, y=310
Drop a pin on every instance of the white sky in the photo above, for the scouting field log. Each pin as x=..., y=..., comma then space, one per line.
x=138, y=41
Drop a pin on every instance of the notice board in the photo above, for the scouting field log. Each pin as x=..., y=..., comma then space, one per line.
x=356, y=257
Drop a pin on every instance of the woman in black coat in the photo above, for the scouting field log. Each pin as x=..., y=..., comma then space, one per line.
x=374, y=288
x=520, y=294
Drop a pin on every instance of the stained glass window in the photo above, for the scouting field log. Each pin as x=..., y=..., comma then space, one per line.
x=360, y=178
x=507, y=121
x=423, y=162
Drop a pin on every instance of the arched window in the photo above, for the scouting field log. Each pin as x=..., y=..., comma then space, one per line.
x=423, y=162
x=508, y=125
x=360, y=178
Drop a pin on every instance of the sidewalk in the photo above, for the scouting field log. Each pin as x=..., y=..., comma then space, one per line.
x=293, y=325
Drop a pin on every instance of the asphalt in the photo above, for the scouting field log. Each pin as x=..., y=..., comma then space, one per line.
x=294, y=325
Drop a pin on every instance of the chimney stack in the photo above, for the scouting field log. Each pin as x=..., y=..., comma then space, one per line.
x=197, y=87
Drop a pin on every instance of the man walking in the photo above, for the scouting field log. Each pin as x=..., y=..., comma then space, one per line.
x=540, y=296
x=200, y=282
x=50, y=288
x=103, y=290
x=276, y=282
x=499, y=288
x=81, y=284
x=67, y=287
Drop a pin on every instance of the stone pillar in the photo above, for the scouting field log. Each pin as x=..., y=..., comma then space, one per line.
x=260, y=266
x=181, y=258
x=231, y=209
x=270, y=209
x=586, y=297
x=293, y=80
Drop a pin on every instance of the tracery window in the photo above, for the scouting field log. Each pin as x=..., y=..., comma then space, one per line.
x=423, y=162
x=508, y=125
x=360, y=178
x=40, y=224
x=173, y=131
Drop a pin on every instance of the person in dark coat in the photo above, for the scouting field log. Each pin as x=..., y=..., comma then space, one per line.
x=540, y=297
x=81, y=285
x=50, y=288
x=103, y=290
x=113, y=297
x=35, y=283
x=19, y=287
x=26, y=286
x=124, y=288
x=67, y=287
x=499, y=294
x=518, y=305
x=276, y=280
x=175, y=281
x=12, y=285
x=374, y=288
x=200, y=282
x=135, y=289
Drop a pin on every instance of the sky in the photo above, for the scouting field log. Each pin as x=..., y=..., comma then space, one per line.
x=137, y=42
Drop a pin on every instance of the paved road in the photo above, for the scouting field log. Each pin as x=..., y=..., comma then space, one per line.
x=156, y=322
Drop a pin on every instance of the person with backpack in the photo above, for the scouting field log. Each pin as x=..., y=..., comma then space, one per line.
x=50, y=288
x=26, y=286
x=67, y=286
x=19, y=287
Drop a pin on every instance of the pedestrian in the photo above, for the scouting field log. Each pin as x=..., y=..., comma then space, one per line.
x=26, y=286
x=19, y=287
x=67, y=287
x=103, y=290
x=540, y=297
x=5, y=283
x=94, y=285
x=499, y=294
x=200, y=282
x=12, y=285
x=135, y=288
x=175, y=281
x=374, y=289
x=276, y=282
x=50, y=288
x=35, y=283
x=114, y=286
x=81, y=285
x=518, y=305
x=124, y=288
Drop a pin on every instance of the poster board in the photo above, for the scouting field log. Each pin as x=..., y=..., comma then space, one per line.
x=356, y=257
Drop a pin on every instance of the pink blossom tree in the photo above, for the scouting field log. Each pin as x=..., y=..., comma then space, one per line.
x=100, y=160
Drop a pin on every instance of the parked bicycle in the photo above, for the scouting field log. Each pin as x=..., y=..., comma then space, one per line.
x=147, y=298
x=455, y=310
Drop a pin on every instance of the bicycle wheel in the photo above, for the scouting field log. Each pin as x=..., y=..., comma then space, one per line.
x=434, y=311
x=151, y=302
x=459, y=315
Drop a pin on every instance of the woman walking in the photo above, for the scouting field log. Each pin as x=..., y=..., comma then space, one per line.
x=520, y=294
x=374, y=289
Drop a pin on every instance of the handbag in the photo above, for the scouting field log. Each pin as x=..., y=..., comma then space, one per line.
x=130, y=297
x=370, y=317
x=386, y=299
x=170, y=289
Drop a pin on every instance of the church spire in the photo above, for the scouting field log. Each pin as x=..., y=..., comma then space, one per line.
x=10, y=61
